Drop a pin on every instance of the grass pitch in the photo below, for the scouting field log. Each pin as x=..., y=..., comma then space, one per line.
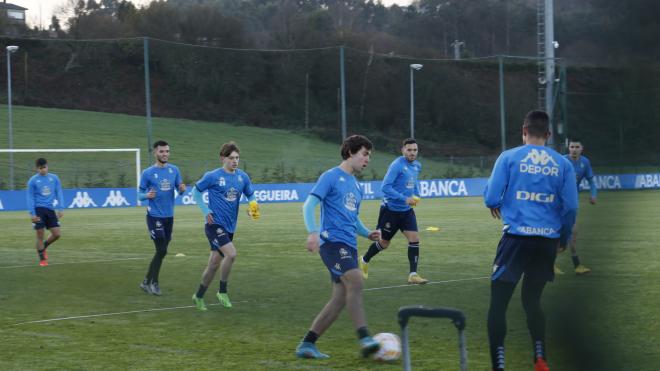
x=85, y=311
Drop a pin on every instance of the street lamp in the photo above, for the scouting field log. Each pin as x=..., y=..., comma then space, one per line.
x=10, y=49
x=413, y=67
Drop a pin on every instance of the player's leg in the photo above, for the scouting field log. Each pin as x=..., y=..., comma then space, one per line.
x=162, y=241
x=409, y=227
x=510, y=260
x=538, y=272
x=207, y=276
x=41, y=252
x=157, y=233
x=385, y=221
x=579, y=268
x=352, y=280
x=229, y=253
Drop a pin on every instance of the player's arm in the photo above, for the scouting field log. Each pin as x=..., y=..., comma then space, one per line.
x=569, y=203
x=30, y=202
x=143, y=194
x=592, y=184
x=497, y=184
x=178, y=182
x=309, y=216
x=363, y=231
x=199, y=199
x=253, y=205
x=387, y=186
x=60, y=197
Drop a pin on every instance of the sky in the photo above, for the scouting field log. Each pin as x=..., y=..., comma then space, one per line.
x=40, y=11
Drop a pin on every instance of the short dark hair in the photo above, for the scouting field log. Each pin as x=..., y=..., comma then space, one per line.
x=537, y=123
x=408, y=141
x=574, y=140
x=40, y=162
x=353, y=144
x=160, y=143
x=228, y=148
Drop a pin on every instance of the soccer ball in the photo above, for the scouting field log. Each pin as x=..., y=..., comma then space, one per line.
x=390, y=347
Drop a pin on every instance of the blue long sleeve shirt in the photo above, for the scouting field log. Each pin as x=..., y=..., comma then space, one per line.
x=534, y=187
x=44, y=191
x=400, y=183
x=583, y=170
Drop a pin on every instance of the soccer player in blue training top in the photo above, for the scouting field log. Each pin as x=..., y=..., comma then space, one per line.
x=339, y=194
x=225, y=187
x=400, y=194
x=157, y=185
x=583, y=170
x=532, y=188
x=44, y=195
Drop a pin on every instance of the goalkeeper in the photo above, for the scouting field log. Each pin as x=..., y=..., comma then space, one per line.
x=225, y=187
x=400, y=194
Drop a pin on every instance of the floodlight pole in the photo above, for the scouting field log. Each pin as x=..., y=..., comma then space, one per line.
x=413, y=67
x=549, y=46
x=10, y=49
x=147, y=91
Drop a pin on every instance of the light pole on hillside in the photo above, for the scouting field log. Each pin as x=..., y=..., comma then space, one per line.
x=413, y=67
x=10, y=50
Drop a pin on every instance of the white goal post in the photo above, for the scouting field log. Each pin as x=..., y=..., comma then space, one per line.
x=138, y=171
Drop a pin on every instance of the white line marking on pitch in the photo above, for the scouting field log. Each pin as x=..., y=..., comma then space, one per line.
x=82, y=262
x=245, y=301
x=426, y=284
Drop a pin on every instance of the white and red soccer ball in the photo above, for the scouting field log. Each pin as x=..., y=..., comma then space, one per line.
x=390, y=347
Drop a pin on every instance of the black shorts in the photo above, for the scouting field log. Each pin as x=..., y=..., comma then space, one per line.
x=530, y=255
x=217, y=236
x=390, y=222
x=160, y=228
x=339, y=258
x=48, y=218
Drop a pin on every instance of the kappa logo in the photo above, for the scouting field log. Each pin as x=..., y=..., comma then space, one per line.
x=219, y=231
x=170, y=170
x=325, y=234
x=82, y=199
x=240, y=179
x=2, y=207
x=155, y=175
x=115, y=199
x=541, y=163
x=342, y=179
x=338, y=267
x=158, y=224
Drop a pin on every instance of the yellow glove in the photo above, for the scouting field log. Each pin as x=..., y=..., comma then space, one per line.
x=417, y=199
x=253, y=210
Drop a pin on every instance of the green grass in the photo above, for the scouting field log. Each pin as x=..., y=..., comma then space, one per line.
x=268, y=155
x=611, y=318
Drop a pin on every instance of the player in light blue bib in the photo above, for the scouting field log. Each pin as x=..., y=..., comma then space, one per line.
x=225, y=187
x=583, y=171
x=339, y=194
x=157, y=186
x=44, y=196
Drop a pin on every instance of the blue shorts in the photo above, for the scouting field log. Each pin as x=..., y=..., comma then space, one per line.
x=217, y=236
x=160, y=228
x=48, y=218
x=390, y=222
x=530, y=255
x=339, y=258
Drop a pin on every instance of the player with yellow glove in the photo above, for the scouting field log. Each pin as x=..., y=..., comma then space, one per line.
x=253, y=210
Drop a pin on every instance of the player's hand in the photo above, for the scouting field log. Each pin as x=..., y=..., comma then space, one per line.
x=209, y=219
x=412, y=201
x=560, y=248
x=253, y=210
x=592, y=200
x=182, y=188
x=495, y=212
x=60, y=214
x=152, y=193
x=35, y=219
x=375, y=235
x=313, y=242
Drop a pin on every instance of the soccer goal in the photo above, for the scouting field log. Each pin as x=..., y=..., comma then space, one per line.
x=76, y=167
